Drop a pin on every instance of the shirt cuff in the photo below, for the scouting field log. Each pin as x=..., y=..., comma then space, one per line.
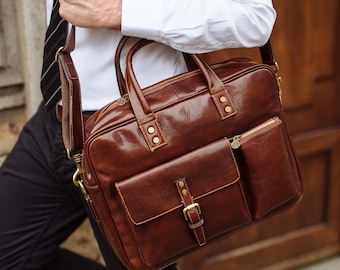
x=142, y=18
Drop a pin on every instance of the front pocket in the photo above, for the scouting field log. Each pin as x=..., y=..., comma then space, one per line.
x=154, y=207
x=269, y=171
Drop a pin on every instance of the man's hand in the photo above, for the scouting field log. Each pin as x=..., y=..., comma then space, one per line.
x=92, y=13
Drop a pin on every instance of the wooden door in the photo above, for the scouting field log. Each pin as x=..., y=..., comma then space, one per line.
x=306, y=41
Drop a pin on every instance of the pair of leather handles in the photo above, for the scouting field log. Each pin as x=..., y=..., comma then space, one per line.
x=73, y=126
x=266, y=51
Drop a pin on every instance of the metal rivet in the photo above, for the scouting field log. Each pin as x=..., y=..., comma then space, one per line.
x=223, y=99
x=151, y=130
x=184, y=192
x=228, y=109
x=181, y=184
x=156, y=140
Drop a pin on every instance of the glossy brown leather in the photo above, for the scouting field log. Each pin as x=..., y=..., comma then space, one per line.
x=158, y=199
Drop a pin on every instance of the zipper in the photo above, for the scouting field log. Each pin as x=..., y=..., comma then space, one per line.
x=122, y=100
x=151, y=89
x=235, y=141
x=117, y=103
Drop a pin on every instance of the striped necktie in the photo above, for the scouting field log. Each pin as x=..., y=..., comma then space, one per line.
x=55, y=38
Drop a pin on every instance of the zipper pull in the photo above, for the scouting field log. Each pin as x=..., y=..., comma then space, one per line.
x=235, y=142
x=122, y=100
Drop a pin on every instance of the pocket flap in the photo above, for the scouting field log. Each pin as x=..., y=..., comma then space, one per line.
x=153, y=193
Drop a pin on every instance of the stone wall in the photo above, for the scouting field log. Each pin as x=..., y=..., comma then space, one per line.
x=22, y=24
x=22, y=30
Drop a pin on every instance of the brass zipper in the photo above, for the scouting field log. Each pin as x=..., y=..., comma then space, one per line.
x=122, y=100
x=152, y=88
x=235, y=142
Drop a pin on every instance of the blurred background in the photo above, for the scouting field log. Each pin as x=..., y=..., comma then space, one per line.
x=306, y=41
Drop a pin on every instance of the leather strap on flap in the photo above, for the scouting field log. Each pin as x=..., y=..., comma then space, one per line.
x=191, y=212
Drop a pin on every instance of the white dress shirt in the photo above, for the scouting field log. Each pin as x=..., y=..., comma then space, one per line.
x=194, y=26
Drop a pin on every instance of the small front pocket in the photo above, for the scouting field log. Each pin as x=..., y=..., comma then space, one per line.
x=269, y=171
x=154, y=206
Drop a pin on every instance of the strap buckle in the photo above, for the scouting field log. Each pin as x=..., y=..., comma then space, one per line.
x=191, y=207
x=57, y=53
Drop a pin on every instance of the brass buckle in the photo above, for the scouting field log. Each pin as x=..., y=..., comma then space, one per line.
x=57, y=53
x=190, y=208
x=276, y=69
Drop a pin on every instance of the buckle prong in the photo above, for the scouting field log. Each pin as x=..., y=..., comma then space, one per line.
x=194, y=206
x=57, y=53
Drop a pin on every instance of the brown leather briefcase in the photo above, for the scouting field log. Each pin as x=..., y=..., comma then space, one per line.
x=171, y=168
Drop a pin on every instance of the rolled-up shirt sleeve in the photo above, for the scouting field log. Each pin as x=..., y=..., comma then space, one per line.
x=199, y=26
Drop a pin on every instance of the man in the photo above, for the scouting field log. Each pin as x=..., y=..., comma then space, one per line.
x=39, y=207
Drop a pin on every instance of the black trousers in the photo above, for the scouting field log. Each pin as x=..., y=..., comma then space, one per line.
x=39, y=205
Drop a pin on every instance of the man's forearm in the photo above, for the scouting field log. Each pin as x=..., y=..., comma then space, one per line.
x=92, y=13
x=190, y=26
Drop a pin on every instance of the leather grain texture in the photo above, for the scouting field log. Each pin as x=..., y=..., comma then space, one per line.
x=173, y=167
x=134, y=185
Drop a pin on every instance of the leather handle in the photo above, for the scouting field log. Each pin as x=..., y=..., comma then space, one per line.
x=142, y=110
x=266, y=52
x=215, y=85
x=119, y=73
